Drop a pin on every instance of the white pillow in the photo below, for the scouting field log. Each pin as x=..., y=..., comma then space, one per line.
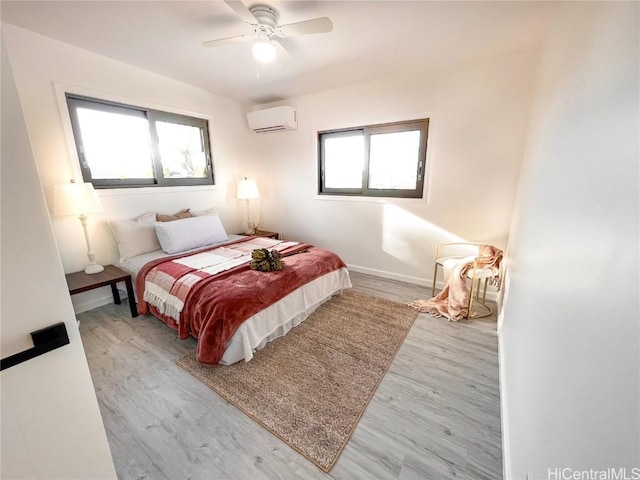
x=188, y=233
x=209, y=211
x=135, y=236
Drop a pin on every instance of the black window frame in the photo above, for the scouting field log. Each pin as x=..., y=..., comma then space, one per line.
x=74, y=101
x=367, y=131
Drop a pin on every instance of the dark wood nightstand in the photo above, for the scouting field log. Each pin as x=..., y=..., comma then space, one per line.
x=82, y=282
x=263, y=233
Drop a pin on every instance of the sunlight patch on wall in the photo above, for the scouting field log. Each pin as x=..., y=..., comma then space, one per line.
x=409, y=237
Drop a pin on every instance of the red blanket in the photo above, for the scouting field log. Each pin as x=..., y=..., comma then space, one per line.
x=217, y=305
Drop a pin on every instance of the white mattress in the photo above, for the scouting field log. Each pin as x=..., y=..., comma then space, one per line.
x=274, y=321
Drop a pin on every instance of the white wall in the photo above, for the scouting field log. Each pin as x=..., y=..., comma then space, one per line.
x=478, y=119
x=51, y=425
x=44, y=68
x=570, y=333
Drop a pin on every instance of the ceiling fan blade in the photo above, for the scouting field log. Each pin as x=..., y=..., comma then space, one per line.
x=315, y=25
x=282, y=52
x=226, y=41
x=242, y=10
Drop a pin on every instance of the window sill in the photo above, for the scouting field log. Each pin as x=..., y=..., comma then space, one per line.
x=360, y=199
x=117, y=192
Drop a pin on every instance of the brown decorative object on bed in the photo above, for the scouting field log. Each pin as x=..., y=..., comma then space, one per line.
x=266, y=261
x=186, y=213
x=212, y=306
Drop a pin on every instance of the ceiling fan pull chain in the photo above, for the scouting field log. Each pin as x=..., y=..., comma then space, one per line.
x=264, y=70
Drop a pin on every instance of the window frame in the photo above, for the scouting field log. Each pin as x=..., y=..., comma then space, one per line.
x=367, y=131
x=74, y=101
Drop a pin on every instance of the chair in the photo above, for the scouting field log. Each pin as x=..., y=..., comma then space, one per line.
x=483, y=269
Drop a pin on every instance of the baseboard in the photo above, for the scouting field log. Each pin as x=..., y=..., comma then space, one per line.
x=426, y=282
x=392, y=276
x=504, y=416
x=91, y=300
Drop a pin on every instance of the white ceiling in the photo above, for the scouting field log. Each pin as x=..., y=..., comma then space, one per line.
x=370, y=39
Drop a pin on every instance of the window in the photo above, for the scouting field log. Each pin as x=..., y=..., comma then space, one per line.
x=374, y=161
x=125, y=146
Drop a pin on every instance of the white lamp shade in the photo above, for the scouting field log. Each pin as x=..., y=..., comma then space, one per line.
x=75, y=199
x=247, y=189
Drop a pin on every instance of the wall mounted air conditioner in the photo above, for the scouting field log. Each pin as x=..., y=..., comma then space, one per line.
x=273, y=119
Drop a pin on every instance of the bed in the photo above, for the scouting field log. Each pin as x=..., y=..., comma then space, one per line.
x=210, y=293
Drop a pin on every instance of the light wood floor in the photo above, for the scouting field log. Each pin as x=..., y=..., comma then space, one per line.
x=436, y=414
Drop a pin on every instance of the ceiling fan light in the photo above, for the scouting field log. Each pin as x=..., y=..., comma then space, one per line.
x=264, y=51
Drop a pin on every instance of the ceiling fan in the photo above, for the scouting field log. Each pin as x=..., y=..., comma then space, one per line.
x=263, y=20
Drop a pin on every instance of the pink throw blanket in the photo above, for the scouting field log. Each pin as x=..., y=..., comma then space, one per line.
x=214, y=306
x=453, y=301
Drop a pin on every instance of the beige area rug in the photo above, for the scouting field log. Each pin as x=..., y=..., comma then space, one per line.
x=311, y=387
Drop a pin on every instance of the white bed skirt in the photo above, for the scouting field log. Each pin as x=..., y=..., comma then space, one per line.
x=276, y=320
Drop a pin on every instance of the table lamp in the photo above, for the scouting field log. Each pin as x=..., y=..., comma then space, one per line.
x=248, y=189
x=78, y=199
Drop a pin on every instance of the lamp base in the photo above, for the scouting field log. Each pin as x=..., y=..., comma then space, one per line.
x=251, y=228
x=93, y=268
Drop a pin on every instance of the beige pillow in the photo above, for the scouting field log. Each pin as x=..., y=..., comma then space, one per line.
x=186, y=213
x=135, y=236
